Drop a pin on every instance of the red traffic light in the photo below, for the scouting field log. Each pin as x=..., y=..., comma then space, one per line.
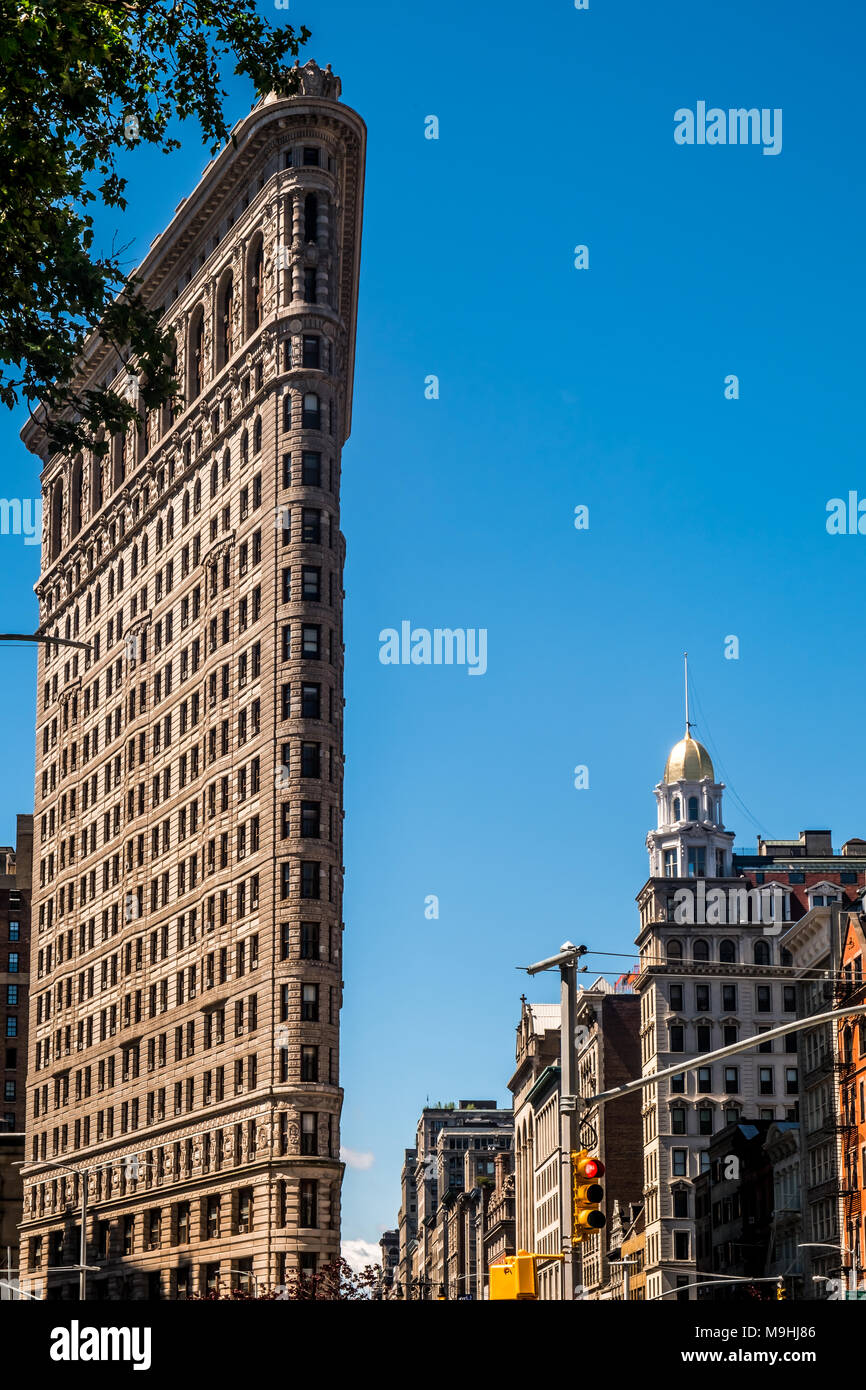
x=592, y=1168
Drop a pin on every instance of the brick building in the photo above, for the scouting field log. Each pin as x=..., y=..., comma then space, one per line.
x=184, y=1038
x=851, y=1110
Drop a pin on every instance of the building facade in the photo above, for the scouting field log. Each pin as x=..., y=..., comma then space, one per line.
x=15, y=899
x=733, y=1212
x=467, y=1147
x=535, y=1086
x=851, y=1106
x=626, y=1241
x=607, y=1018
x=407, y=1223
x=716, y=929
x=184, y=1038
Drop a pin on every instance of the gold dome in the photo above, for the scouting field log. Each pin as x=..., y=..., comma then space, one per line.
x=688, y=761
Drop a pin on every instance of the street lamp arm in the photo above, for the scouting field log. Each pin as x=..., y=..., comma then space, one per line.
x=725, y=1279
x=42, y=637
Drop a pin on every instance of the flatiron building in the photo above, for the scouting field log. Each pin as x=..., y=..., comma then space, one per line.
x=186, y=948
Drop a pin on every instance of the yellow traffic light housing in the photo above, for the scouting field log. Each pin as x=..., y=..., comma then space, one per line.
x=587, y=1194
x=514, y=1277
x=781, y=1291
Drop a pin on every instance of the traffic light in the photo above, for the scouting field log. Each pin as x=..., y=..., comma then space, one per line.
x=587, y=1193
x=781, y=1291
x=515, y=1276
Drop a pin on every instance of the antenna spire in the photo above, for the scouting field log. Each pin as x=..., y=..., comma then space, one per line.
x=686, y=666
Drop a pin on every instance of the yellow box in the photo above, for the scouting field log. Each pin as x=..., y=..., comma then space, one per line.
x=515, y=1277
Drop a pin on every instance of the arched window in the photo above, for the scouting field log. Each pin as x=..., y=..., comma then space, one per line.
x=196, y=354
x=56, y=518
x=226, y=308
x=214, y=480
x=257, y=434
x=88, y=608
x=120, y=577
x=701, y=950
x=95, y=485
x=110, y=585
x=245, y=447
x=761, y=953
x=159, y=534
x=287, y=411
x=674, y=949
x=693, y=808
x=98, y=602
x=75, y=624
x=75, y=497
x=256, y=287
x=119, y=460
x=169, y=524
x=144, y=550
x=185, y=512
x=196, y=496
x=67, y=629
x=311, y=218
x=227, y=466
x=677, y=808
x=728, y=952
x=134, y=561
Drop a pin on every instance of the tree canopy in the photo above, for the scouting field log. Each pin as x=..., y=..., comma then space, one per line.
x=79, y=82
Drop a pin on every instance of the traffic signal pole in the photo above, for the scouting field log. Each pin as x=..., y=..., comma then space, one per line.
x=569, y=1126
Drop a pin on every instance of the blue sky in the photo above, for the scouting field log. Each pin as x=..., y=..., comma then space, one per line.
x=561, y=387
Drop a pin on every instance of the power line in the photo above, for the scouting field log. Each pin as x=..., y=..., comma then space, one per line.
x=705, y=730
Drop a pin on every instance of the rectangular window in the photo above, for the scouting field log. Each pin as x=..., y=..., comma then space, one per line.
x=309, y=1133
x=309, y=941
x=308, y=1203
x=309, y=1063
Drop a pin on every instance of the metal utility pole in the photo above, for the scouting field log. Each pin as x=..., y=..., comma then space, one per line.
x=568, y=1117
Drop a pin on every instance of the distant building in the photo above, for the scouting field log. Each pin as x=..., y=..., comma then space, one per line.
x=535, y=1087
x=626, y=1242
x=390, y=1247
x=733, y=1211
x=607, y=1018
x=783, y=1149
x=15, y=888
x=407, y=1223
x=466, y=1150
x=499, y=1224
x=449, y=1176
